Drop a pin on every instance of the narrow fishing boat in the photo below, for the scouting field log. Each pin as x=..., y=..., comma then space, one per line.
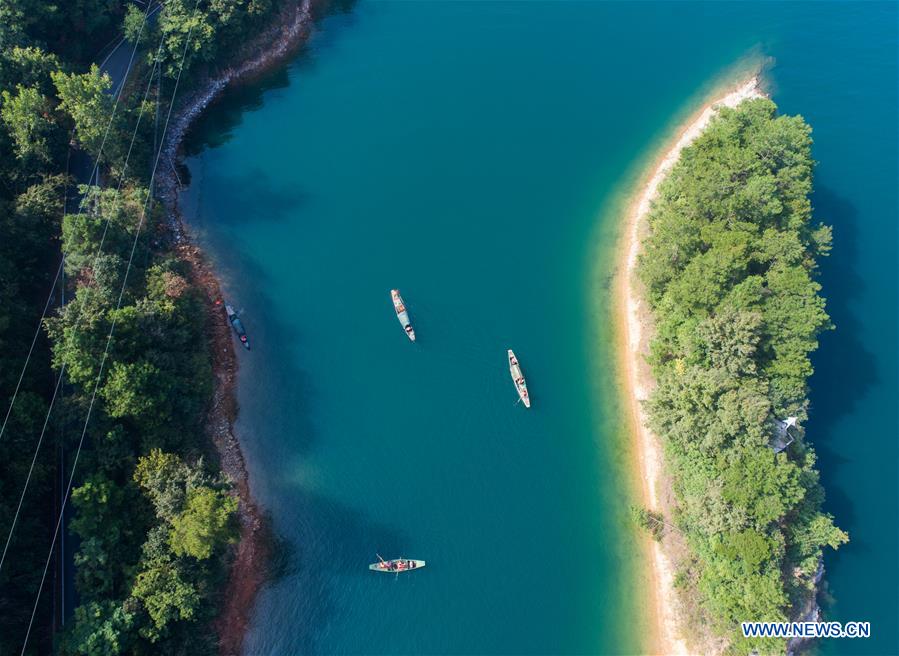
x=401, y=313
x=398, y=565
x=238, y=326
x=518, y=378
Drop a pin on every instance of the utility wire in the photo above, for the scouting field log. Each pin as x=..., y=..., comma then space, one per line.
x=61, y=270
x=63, y=368
x=94, y=173
x=57, y=387
x=111, y=331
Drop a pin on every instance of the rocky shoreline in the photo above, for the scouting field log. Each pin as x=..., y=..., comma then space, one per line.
x=251, y=554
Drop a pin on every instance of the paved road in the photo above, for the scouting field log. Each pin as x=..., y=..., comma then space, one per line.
x=117, y=62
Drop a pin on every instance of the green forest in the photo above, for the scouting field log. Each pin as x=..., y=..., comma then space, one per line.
x=122, y=341
x=103, y=335
x=729, y=268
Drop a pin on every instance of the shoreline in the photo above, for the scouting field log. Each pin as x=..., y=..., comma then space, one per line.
x=634, y=330
x=248, y=569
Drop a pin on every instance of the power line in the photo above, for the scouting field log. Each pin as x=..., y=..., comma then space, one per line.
x=60, y=271
x=59, y=379
x=111, y=331
x=60, y=571
x=94, y=172
x=31, y=348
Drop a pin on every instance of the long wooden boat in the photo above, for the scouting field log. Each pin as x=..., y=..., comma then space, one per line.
x=396, y=566
x=238, y=326
x=401, y=313
x=518, y=378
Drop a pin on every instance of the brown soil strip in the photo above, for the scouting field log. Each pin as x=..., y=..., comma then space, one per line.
x=251, y=554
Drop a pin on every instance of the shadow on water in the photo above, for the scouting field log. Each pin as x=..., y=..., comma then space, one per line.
x=259, y=199
x=216, y=126
x=245, y=284
x=841, y=285
x=275, y=341
x=852, y=369
x=252, y=196
x=317, y=542
x=320, y=545
x=325, y=8
x=830, y=403
x=342, y=11
x=283, y=559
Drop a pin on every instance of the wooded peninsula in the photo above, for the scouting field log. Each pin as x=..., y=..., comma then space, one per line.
x=728, y=269
x=109, y=369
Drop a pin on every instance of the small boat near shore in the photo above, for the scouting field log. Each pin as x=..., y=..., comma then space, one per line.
x=396, y=566
x=518, y=378
x=237, y=325
x=402, y=314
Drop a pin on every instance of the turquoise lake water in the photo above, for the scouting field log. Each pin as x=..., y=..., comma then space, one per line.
x=472, y=154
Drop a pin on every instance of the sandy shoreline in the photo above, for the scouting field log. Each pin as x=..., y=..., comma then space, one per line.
x=249, y=566
x=634, y=330
x=248, y=570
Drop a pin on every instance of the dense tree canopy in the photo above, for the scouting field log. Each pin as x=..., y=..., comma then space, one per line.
x=729, y=270
x=26, y=114
x=153, y=516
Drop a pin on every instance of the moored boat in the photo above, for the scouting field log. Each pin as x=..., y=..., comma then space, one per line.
x=401, y=313
x=518, y=378
x=238, y=326
x=396, y=566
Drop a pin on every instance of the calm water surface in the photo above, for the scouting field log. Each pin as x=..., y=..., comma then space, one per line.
x=469, y=153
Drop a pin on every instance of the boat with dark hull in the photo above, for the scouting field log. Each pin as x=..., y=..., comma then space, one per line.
x=518, y=378
x=238, y=326
x=402, y=314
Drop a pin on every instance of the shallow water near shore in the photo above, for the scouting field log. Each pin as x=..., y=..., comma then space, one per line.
x=465, y=153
